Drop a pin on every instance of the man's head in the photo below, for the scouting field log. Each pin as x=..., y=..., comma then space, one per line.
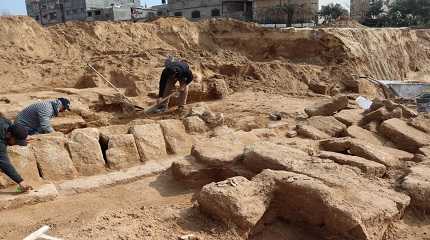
x=65, y=104
x=16, y=135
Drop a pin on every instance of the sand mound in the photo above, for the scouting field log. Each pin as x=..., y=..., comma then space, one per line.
x=245, y=55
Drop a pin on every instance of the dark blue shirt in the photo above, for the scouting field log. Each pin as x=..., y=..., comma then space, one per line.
x=5, y=165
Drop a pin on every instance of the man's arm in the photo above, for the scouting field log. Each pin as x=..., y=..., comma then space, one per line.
x=7, y=167
x=44, y=121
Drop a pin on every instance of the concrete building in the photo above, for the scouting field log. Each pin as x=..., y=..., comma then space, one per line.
x=302, y=11
x=200, y=9
x=359, y=9
x=57, y=11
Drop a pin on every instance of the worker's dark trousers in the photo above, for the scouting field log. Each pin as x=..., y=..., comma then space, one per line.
x=170, y=87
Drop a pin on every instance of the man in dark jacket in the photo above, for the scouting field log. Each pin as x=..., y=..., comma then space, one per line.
x=174, y=71
x=36, y=117
x=11, y=134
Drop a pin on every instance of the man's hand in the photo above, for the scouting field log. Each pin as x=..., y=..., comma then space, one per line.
x=25, y=187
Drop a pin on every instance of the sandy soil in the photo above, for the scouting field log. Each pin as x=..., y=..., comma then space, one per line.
x=153, y=208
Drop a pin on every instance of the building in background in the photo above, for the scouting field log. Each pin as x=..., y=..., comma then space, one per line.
x=201, y=9
x=359, y=9
x=49, y=12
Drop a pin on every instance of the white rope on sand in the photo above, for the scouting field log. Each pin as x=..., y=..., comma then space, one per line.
x=41, y=234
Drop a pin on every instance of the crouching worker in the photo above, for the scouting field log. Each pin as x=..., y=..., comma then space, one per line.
x=174, y=71
x=36, y=117
x=11, y=134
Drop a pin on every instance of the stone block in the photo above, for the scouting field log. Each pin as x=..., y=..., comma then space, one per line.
x=369, y=168
x=177, y=139
x=122, y=152
x=308, y=131
x=404, y=136
x=327, y=107
x=329, y=125
x=350, y=117
x=24, y=161
x=365, y=135
x=86, y=152
x=53, y=158
x=195, y=124
x=150, y=141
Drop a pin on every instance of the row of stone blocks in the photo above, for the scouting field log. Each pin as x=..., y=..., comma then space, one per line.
x=92, y=151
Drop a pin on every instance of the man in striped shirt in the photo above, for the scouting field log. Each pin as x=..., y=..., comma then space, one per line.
x=36, y=117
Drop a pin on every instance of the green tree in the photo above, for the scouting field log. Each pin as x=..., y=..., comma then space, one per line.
x=332, y=11
x=375, y=9
x=410, y=12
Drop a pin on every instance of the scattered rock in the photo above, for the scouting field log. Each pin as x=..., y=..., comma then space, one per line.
x=264, y=132
x=403, y=135
x=365, y=135
x=221, y=150
x=421, y=123
x=308, y=131
x=350, y=117
x=86, y=152
x=122, y=152
x=336, y=144
x=329, y=125
x=53, y=158
x=292, y=134
x=195, y=124
x=327, y=107
x=213, y=119
x=236, y=200
x=177, y=140
x=194, y=173
x=68, y=123
x=217, y=89
x=375, y=153
x=389, y=157
x=348, y=208
x=370, y=168
x=266, y=155
x=417, y=185
x=150, y=141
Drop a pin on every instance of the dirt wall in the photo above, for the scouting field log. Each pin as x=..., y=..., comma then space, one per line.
x=245, y=55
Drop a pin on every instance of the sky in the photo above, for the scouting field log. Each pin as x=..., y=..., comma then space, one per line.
x=17, y=7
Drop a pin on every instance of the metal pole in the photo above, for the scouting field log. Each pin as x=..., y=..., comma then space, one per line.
x=110, y=84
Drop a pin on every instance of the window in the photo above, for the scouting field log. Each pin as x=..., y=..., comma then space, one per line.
x=178, y=14
x=68, y=12
x=75, y=11
x=52, y=16
x=195, y=14
x=215, y=12
x=159, y=13
x=97, y=13
x=37, y=18
x=90, y=14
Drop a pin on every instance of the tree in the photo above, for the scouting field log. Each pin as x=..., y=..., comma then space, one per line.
x=279, y=14
x=375, y=8
x=332, y=11
x=410, y=12
x=375, y=16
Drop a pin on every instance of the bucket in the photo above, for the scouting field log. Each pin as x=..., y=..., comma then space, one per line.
x=423, y=102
